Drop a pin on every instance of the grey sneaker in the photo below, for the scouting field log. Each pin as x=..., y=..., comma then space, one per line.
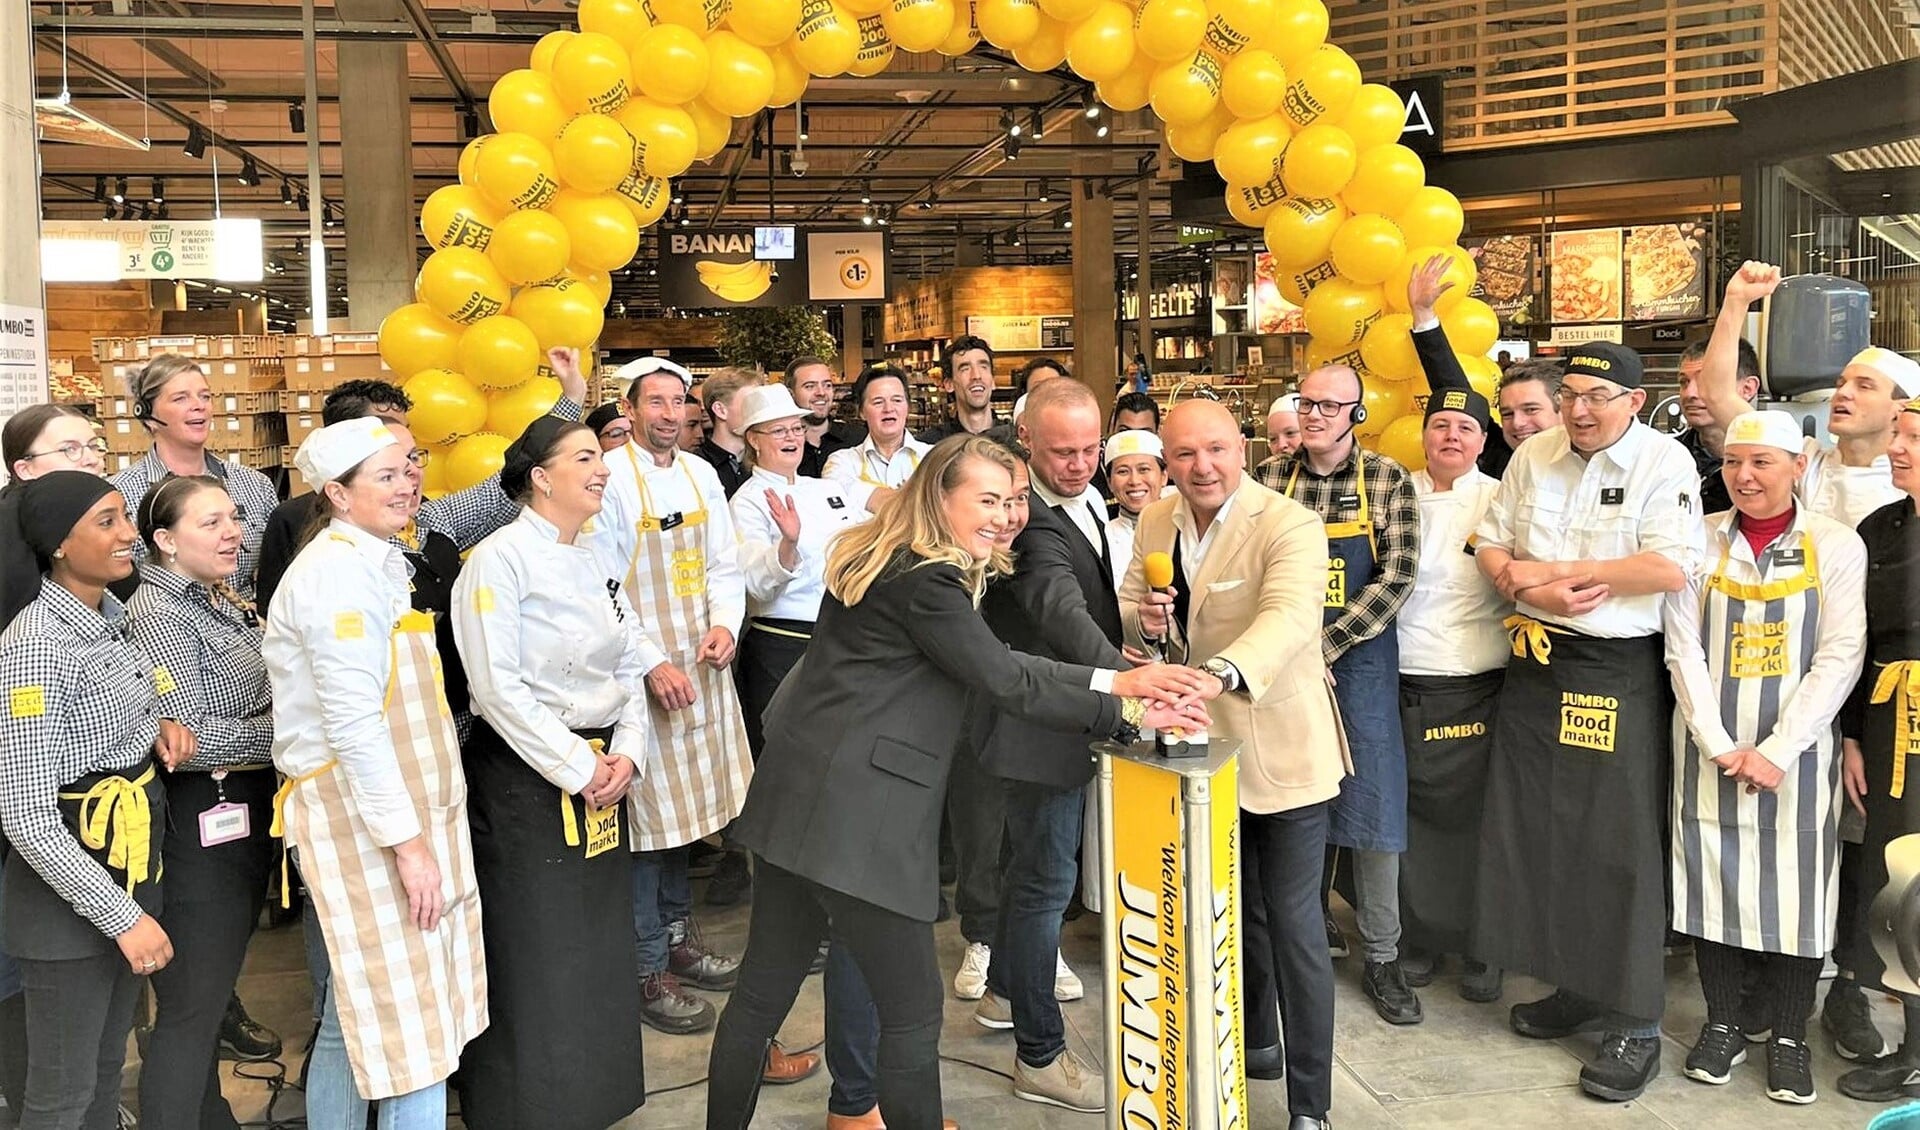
x=1066, y=1082
x=689, y=959
x=666, y=1006
x=993, y=1011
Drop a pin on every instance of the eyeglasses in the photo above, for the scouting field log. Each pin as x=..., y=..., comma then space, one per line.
x=1595, y=399
x=73, y=449
x=789, y=431
x=1327, y=408
x=420, y=457
x=617, y=431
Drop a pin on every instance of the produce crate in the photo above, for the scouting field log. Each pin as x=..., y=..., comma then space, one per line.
x=113, y=407
x=246, y=403
x=118, y=461
x=318, y=374
x=126, y=434
x=249, y=345
x=300, y=425
x=259, y=458
x=303, y=401
x=236, y=375
x=242, y=433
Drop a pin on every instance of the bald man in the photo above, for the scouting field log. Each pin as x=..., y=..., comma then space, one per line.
x=1249, y=568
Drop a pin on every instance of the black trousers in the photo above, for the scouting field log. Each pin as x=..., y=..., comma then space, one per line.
x=214, y=895
x=977, y=821
x=79, y=1012
x=1289, y=974
x=894, y=953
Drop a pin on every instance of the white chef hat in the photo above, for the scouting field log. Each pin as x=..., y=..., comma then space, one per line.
x=1902, y=371
x=767, y=403
x=1019, y=407
x=1134, y=442
x=632, y=371
x=1287, y=403
x=1769, y=428
x=338, y=448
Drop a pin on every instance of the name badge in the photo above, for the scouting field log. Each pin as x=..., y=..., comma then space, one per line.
x=1612, y=496
x=1348, y=502
x=225, y=823
x=836, y=502
x=674, y=519
x=1795, y=556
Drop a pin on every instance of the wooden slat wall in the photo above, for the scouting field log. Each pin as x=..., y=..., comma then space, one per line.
x=1822, y=39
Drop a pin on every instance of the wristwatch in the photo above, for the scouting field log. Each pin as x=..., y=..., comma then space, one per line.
x=1227, y=673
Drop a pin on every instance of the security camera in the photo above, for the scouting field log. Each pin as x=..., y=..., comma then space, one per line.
x=773, y=273
x=799, y=164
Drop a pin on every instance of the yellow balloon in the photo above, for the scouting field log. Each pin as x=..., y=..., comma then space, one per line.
x=1073, y=11
x=593, y=153
x=965, y=35
x=1186, y=91
x=433, y=480
x=1100, y=47
x=499, y=352
x=1007, y=24
x=858, y=8
x=1404, y=442
x=1387, y=348
x=461, y=285
x=1339, y=311
x=1170, y=30
x=1367, y=248
x=1324, y=85
x=515, y=171
x=741, y=80
x=1461, y=272
x=665, y=140
x=647, y=198
x=828, y=39
x=764, y=23
x=789, y=77
x=622, y=20
x=700, y=15
x=1385, y=401
x=1385, y=179
x=1320, y=354
x=598, y=283
x=1432, y=216
x=1236, y=23
x=1299, y=27
x=543, y=50
x=1483, y=373
x=1296, y=283
x=1046, y=50
x=591, y=73
x=413, y=338
x=1319, y=162
x=1253, y=83
x=510, y=410
x=1133, y=89
x=445, y=406
x=1375, y=117
x=918, y=25
x=1300, y=231
x=470, y=462
x=671, y=64
x=456, y=215
x=712, y=129
x=471, y=154
x=1198, y=142
x=530, y=245
x=526, y=101
x=1249, y=151
x=563, y=312
x=1251, y=204
x=876, y=50
x=603, y=232
x=1472, y=327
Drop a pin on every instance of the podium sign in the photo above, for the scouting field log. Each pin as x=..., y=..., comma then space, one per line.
x=1170, y=862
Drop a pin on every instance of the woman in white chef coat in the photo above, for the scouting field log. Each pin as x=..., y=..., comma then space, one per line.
x=551, y=648
x=1764, y=645
x=1137, y=476
x=375, y=802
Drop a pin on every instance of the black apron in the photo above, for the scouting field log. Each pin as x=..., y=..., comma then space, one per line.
x=101, y=812
x=771, y=648
x=1573, y=859
x=1890, y=741
x=562, y=1050
x=1448, y=722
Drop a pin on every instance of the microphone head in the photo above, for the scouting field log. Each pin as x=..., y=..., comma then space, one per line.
x=1159, y=570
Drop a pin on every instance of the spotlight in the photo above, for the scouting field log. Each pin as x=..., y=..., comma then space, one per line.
x=1033, y=124
x=677, y=198
x=1100, y=129
x=1046, y=193
x=328, y=219
x=300, y=200
x=99, y=190
x=296, y=117
x=886, y=215
x=120, y=191
x=1089, y=103
x=1015, y=240
x=159, y=187
x=927, y=202
x=126, y=211
x=803, y=123
x=146, y=211
x=1009, y=125
x=866, y=192
x=196, y=143
x=1011, y=147
x=107, y=213
x=249, y=172
x=866, y=218
x=286, y=194
x=470, y=123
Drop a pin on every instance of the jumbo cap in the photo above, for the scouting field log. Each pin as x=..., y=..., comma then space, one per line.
x=1606, y=361
x=1134, y=442
x=338, y=448
x=1462, y=400
x=1769, y=428
x=1903, y=371
x=767, y=403
x=632, y=371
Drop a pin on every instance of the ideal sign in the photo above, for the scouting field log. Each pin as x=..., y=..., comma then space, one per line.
x=1425, y=128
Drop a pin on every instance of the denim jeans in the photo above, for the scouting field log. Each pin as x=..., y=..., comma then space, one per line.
x=1376, y=891
x=661, y=896
x=1043, y=836
x=333, y=1103
x=853, y=1034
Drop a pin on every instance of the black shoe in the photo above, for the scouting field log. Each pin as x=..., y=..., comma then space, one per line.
x=1624, y=1067
x=1387, y=988
x=1848, y=1018
x=1336, y=941
x=1756, y=1017
x=1308, y=1122
x=946, y=909
x=1266, y=1063
x=1554, y=1017
x=1884, y=1080
x=243, y=1039
x=1715, y=1054
x=732, y=882
x=1481, y=983
x=1789, y=1071
x=702, y=858
x=1418, y=967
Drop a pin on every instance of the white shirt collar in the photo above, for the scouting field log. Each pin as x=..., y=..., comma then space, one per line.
x=1087, y=495
x=907, y=443
x=1183, y=519
x=760, y=472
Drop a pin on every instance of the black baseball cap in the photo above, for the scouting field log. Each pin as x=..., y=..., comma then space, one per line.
x=1464, y=401
x=1603, y=360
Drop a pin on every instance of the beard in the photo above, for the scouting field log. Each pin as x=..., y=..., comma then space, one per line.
x=813, y=421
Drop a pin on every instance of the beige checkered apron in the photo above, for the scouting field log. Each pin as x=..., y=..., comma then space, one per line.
x=697, y=784
x=409, y=999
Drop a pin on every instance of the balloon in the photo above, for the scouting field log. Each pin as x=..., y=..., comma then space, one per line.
x=859, y=8
x=1253, y=83
x=665, y=139
x=671, y=64
x=646, y=197
x=603, y=232
x=1387, y=348
x=1296, y=283
x=413, y=338
x=564, y=312
x=1046, y=50
x=712, y=129
x=499, y=352
x=1339, y=311
x=1133, y=88
x=1199, y=141
x=1101, y=47
x=789, y=78
x=593, y=153
x=1404, y=442
x=622, y=20
x=1249, y=151
x=1299, y=27
x=1367, y=248
x=1461, y=273
x=1007, y=23
x=1236, y=22
x=549, y=43
x=457, y=215
x=598, y=283
x=433, y=480
x=1319, y=162
x=510, y=410
x=530, y=245
x=1186, y=91
x=764, y=23
x=1472, y=327
x=1320, y=354
x=445, y=406
x=918, y=25
x=1251, y=204
x=1300, y=231
x=828, y=39
x=1385, y=401
x=590, y=72
x=1170, y=30
x=1073, y=11
x=876, y=50
x=526, y=101
x=515, y=171
x=1375, y=117
x=1432, y=216
x=461, y=285
x=700, y=15
x=470, y=154
x=1385, y=179
x=471, y=461
x=741, y=79
x=1324, y=85
x=1483, y=373
x=965, y=35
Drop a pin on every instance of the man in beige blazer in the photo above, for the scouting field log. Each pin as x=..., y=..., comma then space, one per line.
x=1250, y=576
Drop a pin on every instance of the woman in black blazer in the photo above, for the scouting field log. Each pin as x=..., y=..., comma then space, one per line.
x=844, y=809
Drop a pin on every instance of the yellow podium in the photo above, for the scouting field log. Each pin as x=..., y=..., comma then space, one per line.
x=1170, y=862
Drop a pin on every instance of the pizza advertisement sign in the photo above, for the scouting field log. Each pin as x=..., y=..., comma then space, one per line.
x=1507, y=267
x=1666, y=271
x=1584, y=276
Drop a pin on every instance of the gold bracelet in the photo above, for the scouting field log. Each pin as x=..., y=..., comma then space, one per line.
x=1133, y=711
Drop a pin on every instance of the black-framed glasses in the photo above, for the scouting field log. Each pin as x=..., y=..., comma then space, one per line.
x=73, y=449
x=1594, y=399
x=1328, y=408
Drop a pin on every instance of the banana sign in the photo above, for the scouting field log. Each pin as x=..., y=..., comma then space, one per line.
x=720, y=268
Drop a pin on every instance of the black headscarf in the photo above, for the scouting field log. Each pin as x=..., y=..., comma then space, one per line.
x=35, y=518
x=528, y=452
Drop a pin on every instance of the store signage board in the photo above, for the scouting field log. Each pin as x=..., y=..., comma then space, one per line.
x=1507, y=266
x=1666, y=271
x=226, y=250
x=847, y=266
x=1028, y=333
x=23, y=358
x=1191, y=234
x=1584, y=276
x=719, y=268
x=1176, y=301
x=1581, y=335
x=1425, y=97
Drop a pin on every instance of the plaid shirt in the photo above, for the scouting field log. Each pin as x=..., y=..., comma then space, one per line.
x=252, y=492
x=1394, y=507
x=466, y=517
x=216, y=682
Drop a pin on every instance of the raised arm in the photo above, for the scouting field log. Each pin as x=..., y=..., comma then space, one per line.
x=1720, y=375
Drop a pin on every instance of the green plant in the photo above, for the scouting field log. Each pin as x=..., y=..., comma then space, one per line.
x=771, y=336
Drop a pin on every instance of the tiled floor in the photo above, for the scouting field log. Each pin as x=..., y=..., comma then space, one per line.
x=1462, y=1068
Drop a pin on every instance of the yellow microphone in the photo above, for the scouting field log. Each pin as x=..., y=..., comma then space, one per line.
x=1158, y=568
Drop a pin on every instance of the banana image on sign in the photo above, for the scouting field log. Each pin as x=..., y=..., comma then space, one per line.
x=735, y=282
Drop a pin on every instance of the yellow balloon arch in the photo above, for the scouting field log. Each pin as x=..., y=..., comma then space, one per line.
x=590, y=132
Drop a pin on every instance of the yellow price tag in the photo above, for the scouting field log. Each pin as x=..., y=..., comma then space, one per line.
x=27, y=702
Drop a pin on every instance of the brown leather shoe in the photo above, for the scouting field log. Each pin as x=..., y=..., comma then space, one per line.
x=782, y=1068
x=871, y=1121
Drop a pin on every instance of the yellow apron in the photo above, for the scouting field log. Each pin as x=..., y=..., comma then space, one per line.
x=913, y=459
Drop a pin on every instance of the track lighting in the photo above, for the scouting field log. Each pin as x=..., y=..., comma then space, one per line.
x=1046, y=193
x=196, y=143
x=249, y=172
x=1011, y=147
x=802, y=115
x=866, y=192
x=286, y=194
x=1089, y=103
x=120, y=191
x=1009, y=124
x=99, y=190
x=159, y=189
x=296, y=117
x=1033, y=124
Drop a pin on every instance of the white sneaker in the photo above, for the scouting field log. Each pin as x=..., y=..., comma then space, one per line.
x=1066, y=1082
x=1066, y=983
x=970, y=984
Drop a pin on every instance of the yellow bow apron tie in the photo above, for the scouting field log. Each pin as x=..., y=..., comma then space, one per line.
x=115, y=817
x=1530, y=635
x=1903, y=677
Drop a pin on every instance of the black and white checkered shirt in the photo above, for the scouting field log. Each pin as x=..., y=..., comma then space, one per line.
x=252, y=494
x=79, y=700
x=215, y=682
x=466, y=517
